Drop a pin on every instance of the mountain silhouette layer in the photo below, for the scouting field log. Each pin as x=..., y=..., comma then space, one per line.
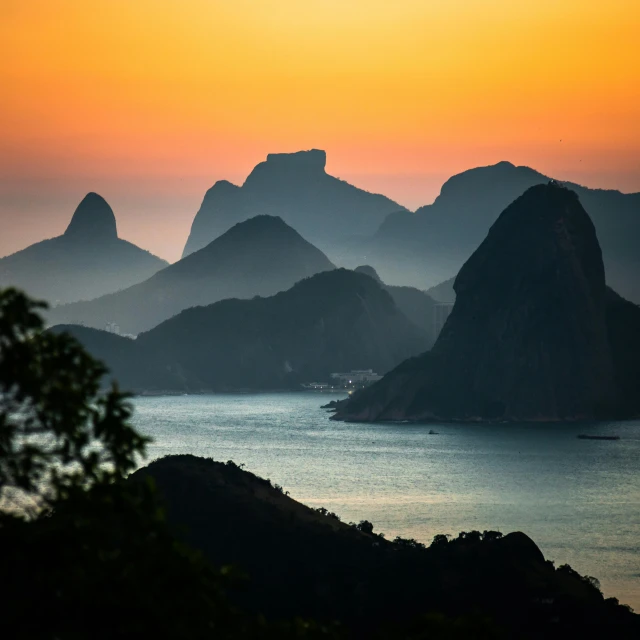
x=128, y=365
x=305, y=562
x=417, y=305
x=430, y=245
x=87, y=261
x=443, y=292
x=335, y=321
x=260, y=256
x=529, y=335
x=294, y=186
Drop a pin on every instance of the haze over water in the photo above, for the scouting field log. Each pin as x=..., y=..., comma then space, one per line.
x=578, y=499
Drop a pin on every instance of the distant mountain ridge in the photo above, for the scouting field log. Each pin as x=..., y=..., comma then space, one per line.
x=294, y=186
x=125, y=361
x=333, y=321
x=430, y=245
x=87, y=261
x=417, y=305
x=444, y=291
x=260, y=256
x=534, y=333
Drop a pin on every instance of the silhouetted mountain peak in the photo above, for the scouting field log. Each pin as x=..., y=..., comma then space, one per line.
x=327, y=211
x=314, y=159
x=284, y=167
x=527, y=338
x=256, y=257
x=223, y=187
x=261, y=227
x=93, y=220
x=547, y=222
x=370, y=271
x=460, y=185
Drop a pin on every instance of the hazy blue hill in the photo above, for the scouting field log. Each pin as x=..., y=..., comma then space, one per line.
x=334, y=321
x=296, y=187
x=529, y=335
x=415, y=304
x=444, y=291
x=87, y=261
x=430, y=245
x=128, y=366
x=475, y=197
x=260, y=256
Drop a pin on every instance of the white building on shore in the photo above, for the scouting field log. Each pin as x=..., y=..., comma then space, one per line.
x=355, y=378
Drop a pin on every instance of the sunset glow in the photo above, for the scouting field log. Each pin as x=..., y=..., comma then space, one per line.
x=149, y=102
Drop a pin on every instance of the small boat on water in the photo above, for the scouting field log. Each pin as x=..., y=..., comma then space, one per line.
x=432, y=432
x=585, y=437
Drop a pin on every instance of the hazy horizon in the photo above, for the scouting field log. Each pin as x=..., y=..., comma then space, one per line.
x=149, y=103
x=381, y=258
x=156, y=214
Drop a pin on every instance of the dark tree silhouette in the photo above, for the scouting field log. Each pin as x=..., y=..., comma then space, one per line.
x=91, y=555
x=57, y=432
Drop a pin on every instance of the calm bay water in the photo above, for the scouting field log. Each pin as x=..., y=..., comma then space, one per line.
x=578, y=499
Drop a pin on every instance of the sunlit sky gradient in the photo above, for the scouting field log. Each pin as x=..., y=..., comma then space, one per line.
x=149, y=102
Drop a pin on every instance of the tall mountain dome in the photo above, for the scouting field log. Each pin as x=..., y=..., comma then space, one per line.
x=528, y=338
x=294, y=186
x=87, y=261
x=93, y=221
x=260, y=256
x=429, y=246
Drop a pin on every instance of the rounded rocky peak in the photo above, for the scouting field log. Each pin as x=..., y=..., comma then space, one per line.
x=260, y=227
x=548, y=199
x=544, y=231
x=490, y=178
x=369, y=271
x=264, y=221
x=521, y=548
x=224, y=187
x=93, y=220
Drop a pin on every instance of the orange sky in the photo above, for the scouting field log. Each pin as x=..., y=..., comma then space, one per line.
x=149, y=102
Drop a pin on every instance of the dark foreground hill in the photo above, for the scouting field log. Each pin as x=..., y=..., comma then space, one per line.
x=296, y=187
x=426, y=247
x=335, y=321
x=304, y=562
x=260, y=256
x=533, y=335
x=87, y=261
